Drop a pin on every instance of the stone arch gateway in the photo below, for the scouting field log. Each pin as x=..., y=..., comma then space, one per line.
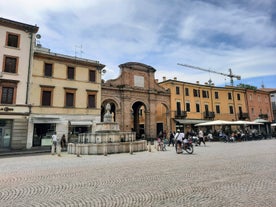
x=136, y=96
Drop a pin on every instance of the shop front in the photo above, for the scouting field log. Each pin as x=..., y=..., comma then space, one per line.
x=5, y=133
x=78, y=127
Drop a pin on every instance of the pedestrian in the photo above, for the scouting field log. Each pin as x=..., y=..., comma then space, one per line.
x=63, y=142
x=179, y=136
x=201, y=137
x=171, y=141
x=54, y=143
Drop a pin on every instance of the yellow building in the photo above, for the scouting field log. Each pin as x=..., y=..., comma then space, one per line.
x=65, y=96
x=196, y=103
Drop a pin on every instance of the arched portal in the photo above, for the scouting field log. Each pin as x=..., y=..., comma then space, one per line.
x=138, y=114
x=136, y=94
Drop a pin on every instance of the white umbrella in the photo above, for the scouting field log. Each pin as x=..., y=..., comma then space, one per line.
x=240, y=122
x=216, y=122
x=258, y=120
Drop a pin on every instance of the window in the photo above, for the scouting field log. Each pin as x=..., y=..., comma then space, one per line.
x=10, y=64
x=188, y=107
x=217, y=109
x=91, y=100
x=205, y=94
x=92, y=76
x=48, y=70
x=239, y=96
x=177, y=90
x=250, y=97
x=196, y=93
x=197, y=107
x=70, y=97
x=240, y=109
x=187, y=91
x=206, y=108
x=12, y=40
x=216, y=95
x=231, y=110
x=70, y=73
x=229, y=96
x=178, y=108
x=46, y=96
x=7, y=95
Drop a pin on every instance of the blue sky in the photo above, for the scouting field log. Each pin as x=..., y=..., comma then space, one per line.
x=211, y=34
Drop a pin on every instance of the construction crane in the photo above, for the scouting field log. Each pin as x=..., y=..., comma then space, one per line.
x=230, y=75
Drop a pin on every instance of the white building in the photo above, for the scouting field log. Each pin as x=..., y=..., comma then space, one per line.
x=16, y=47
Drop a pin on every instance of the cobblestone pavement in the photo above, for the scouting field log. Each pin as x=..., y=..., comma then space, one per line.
x=220, y=174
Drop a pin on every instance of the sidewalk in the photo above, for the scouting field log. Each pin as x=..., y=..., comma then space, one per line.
x=34, y=150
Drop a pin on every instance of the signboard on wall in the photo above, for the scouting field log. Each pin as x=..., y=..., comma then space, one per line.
x=139, y=81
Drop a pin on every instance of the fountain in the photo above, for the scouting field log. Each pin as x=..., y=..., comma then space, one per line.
x=106, y=138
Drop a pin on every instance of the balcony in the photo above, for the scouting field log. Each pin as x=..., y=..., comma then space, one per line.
x=180, y=114
x=243, y=116
x=263, y=116
x=209, y=114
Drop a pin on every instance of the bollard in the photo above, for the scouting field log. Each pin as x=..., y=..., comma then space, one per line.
x=53, y=149
x=105, y=150
x=78, y=150
x=58, y=149
x=130, y=149
x=149, y=146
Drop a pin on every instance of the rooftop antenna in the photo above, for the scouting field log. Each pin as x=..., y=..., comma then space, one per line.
x=37, y=38
x=80, y=50
x=263, y=86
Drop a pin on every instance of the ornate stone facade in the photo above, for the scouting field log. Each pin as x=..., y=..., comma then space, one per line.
x=135, y=99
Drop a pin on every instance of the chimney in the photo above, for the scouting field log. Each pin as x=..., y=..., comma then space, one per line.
x=175, y=78
x=164, y=78
x=197, y=82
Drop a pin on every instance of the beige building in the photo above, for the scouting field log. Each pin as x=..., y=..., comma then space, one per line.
x=16, y=47
x=65, y=96
x=196, y=103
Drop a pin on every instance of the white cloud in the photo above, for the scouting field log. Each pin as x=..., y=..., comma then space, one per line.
x=208, y=34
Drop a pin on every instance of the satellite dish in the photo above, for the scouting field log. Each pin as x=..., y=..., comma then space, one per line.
x=103, y=71
x=38, y=36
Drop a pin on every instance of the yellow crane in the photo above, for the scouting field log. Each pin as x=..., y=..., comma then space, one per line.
x=230, y=75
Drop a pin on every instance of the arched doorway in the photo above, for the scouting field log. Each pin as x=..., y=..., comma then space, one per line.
x=139, y=117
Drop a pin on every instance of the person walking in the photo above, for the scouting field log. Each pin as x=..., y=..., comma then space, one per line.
x=54, y=143
x=171, y=141
x=63, y=142
x=179, y=136
x=201, y=137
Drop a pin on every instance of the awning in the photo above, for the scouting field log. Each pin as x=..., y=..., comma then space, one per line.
x=45, y=120
x=81, y=123
x=190, y=121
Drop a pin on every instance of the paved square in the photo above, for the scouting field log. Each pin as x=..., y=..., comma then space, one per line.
x=220, y=174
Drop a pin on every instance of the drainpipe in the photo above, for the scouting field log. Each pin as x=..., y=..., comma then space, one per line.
x=29, y=69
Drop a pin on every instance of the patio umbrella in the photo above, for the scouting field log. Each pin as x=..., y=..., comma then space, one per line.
x=240, y=122
x=215, y=122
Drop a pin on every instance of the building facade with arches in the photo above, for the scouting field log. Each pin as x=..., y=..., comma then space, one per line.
x=137, y=102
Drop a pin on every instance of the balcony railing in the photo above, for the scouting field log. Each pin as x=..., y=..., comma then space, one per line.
x=263, y=116
x=243, y=116
x=180, y=114
x=209, y=114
